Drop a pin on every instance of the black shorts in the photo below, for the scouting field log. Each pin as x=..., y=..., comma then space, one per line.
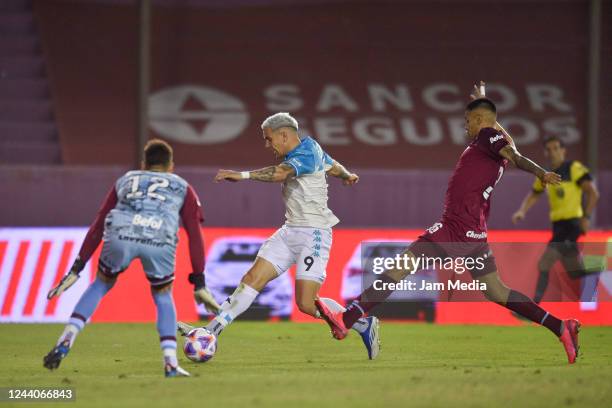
x=565, y=234
x=566, y=230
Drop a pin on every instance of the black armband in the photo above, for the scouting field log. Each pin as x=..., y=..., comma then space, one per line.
x=197, y=280
x=78, y=265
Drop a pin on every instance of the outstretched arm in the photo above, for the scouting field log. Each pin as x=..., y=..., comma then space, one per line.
x=339, y=171
x=547, y=177
x=271, y=174
x=512, y=154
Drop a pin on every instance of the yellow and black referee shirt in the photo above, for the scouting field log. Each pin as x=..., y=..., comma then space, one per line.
x=565, y=199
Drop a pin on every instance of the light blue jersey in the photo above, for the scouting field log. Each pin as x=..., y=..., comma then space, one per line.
x=305, y=194
x=148, y=207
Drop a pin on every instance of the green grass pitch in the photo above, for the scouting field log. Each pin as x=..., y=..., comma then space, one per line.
x=293, y=365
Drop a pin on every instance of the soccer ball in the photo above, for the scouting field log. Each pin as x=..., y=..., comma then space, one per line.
x=200, y=345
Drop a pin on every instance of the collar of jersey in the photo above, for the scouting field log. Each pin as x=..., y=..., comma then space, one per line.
x=288, y=155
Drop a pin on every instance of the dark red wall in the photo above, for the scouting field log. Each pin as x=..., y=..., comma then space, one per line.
x=243, y=52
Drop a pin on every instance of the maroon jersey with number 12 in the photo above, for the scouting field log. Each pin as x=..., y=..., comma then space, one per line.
x=479, y=169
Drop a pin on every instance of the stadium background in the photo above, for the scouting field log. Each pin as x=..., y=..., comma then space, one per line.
x=381, y=85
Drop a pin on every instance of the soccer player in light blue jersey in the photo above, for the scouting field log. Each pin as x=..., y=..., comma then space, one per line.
x=306, y=237
x=140, y=219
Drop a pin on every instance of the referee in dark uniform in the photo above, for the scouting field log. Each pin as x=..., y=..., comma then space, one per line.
x=569, y=217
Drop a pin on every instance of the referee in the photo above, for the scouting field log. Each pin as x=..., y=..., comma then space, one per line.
x=569, y=217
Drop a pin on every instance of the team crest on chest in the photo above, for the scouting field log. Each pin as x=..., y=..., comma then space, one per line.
x=560, y=192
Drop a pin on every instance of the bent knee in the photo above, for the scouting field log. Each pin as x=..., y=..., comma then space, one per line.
x=106, y=278
x=166, y=287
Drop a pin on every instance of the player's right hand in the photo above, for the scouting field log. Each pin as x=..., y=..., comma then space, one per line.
x=517, y=216
x=478, y=91
x=204, y=297
x=229, y=175
x=550, y=178
x=67, y=281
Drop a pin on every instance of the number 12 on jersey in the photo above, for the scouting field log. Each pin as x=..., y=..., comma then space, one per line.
x=156, y=183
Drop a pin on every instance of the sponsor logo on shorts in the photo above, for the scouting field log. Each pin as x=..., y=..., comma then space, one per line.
x=495, y=138
x=148, y=222
x=145, y=241
x=476, y=235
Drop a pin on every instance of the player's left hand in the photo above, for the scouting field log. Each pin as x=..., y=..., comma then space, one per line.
x=550, y=178
x=585, y=224
x=67, y=281
x=478, y=91
x=351, y=180
x=204, y=297
x=229, y=175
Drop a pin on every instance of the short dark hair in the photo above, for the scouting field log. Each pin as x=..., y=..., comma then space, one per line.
x=157, y=153
x=483, y=103
x=549, y=139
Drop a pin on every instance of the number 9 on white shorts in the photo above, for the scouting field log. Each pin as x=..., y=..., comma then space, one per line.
x=306, y=247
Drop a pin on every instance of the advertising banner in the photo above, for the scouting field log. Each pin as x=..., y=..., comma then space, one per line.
x=33, y=260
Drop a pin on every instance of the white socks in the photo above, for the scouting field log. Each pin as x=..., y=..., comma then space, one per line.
x=70, y=332
x=243, y=297
x=233, y=307
x=360, y=325
x=170, y=357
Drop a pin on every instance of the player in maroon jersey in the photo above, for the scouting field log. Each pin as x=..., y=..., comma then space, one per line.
x=462, y=230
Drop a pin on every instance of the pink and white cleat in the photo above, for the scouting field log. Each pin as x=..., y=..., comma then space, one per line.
x=334, y=320
x=569, y=338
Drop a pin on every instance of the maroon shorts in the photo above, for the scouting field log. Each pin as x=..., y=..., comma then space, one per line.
x=451, y=240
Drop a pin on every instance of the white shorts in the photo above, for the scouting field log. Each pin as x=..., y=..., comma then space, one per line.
x=306, y=247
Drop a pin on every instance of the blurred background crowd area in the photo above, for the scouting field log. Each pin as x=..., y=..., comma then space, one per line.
x=380, y=84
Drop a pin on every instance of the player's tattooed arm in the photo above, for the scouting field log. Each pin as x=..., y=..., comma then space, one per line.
x=271, y=174
x=547, y=177
x=511, y=153
x=339, y=171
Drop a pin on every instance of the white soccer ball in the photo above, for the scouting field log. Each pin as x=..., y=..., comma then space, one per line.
x=200, y=345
